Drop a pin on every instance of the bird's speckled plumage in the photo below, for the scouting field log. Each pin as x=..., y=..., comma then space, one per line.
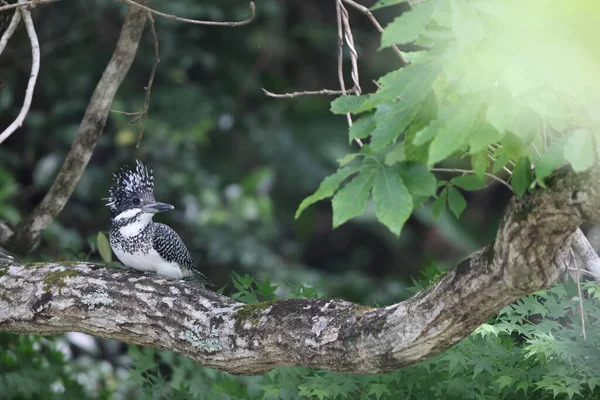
x=136, y=240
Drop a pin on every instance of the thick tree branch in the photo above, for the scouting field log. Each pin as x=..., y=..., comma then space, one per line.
x=531, y=251
x=29, y=229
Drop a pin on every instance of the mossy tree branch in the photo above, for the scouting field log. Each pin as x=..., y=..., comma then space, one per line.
x=530, y=252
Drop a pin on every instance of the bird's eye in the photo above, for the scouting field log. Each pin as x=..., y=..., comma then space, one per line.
x=135, y=201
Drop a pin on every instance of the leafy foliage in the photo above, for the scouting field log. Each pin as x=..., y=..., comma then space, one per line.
x=33, y=367
x=487, y=90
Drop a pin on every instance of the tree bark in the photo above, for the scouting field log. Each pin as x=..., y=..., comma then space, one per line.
x=27, y=232
x=530, y=252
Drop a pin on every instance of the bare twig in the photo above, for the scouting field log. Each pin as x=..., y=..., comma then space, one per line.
x=584, y=272
x=340, y=27
x=150, y=80
x=195, y=21
x=32, y=3
x=12, y=27
x=143, y=113
x=469, y=171
x=35, y=68
x=306, y=93
x=579, y=294
x=370, y=15
x=29, y=229
x=497, y=146
x=544, y=133
x=344, y=33
x=353, y=53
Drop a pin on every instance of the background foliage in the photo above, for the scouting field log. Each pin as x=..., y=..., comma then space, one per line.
x=237, y=164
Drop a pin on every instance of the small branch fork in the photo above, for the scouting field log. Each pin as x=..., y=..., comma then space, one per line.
x=469, y=171
x=23, y=12
x=307, y=93
x=30, y=4
x=140, y=116
x=344, y=35
x=143, y=113
x=196, y=21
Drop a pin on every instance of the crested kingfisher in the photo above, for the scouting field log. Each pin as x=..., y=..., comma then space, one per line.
x=136, y=240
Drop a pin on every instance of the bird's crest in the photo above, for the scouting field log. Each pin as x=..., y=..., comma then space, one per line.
x=129, y=183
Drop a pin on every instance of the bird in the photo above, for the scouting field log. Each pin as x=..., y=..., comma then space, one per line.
x=137, y=241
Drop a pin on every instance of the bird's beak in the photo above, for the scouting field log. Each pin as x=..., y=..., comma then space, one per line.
x=157, y=207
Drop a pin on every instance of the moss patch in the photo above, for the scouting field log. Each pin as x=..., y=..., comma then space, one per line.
x=57, y=279
x=3, y=271
x=250, y=312
x=362, y=309
x=522, y=208
x=35, y=264
x=62, y=263
x=359, y=311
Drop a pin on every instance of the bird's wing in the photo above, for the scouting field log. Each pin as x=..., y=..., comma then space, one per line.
x=169, y=246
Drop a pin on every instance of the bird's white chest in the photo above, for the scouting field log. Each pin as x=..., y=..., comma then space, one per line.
x=142, y=257
x=149, y=262
x=133, y=229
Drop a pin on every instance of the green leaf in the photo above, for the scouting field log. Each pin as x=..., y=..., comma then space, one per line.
x=483, y=134
x=502, y=110
x=408, y=86
x=391, y=122
x=466, y=25
x=504, y=381
x=514, y=146
x=480, y=162
x=456, y=201
x=439, y=204
x=551, y=159
x=428, y=112
x=361, y=128
x=419, y=181
x=386, y=3
x=469, y=182
x=579, y=150
x=378, y=389
x=393, y=202
x=501, y=160
x=450, y=132
x=327, y=188
x=352, y=104
x=522, y=176
x=396, y=155
x=408, y=26
x=104, y=247
x=350, y=201
x=348, y=158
